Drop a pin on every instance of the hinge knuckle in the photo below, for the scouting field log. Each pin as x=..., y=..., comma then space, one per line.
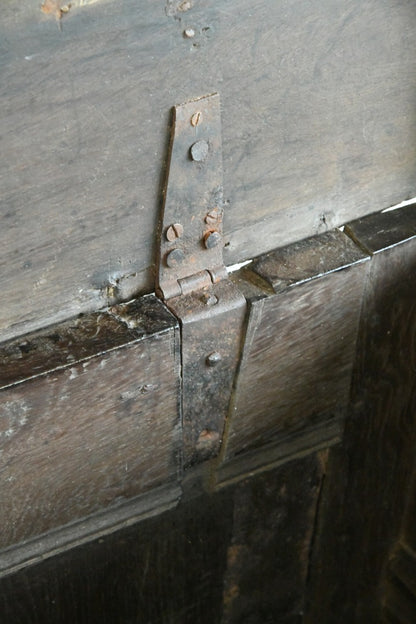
x=195, y=282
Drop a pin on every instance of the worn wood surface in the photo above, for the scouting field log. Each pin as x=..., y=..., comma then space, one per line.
x=268, y=557
x=369, y=476
x=318, y=128
x=166, y=569
x=299, y=348
x=399, y=588
x=93, y=424
x=240, y=555
x=399, y=597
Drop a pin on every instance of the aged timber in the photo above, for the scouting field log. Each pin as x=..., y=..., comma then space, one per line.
x=240, y=555
x=318, y=124
x=369, y=476
x=294, y=542
x=294, y=378
x=89, y=416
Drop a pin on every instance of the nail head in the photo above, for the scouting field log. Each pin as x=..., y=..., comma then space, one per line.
x=174, y=231
x=213, y=217
x=196, y=119
x=212, y=239
x=213, y=359
x=199, y=151
x=209, y=299
x=175, y=257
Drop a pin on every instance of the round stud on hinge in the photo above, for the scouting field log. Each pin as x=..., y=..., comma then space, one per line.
x=209, y=299
x=196, y=119
x=213, y=359
x=199, y=151
x=174, y=231
x=212, y=239
x=213, y=217
x=175, y=257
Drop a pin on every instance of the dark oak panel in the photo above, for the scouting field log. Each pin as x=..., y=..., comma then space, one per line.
x=239, y=555
x=299, y=348
x=95, y=424
x=369, y=477
x=399, y=601
x=399, y=587
x=268, y=557
x=166, y=569
x=318, y=128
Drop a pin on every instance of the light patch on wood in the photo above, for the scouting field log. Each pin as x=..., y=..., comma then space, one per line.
x=55, y=8
x=13, y=416
x=58, y=8
x=174, y=7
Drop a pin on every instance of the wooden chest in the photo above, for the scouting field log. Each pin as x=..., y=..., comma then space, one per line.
x=208, y=319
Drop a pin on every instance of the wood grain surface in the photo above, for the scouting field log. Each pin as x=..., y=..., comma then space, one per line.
x=240, y=555
x=369, y=476
x=399, y=587
x=299, y=349
x=97, y=428
x=268, y=556
x=166, y=569
x=318, y=128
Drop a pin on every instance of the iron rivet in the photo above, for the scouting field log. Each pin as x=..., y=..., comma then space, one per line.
x=207, y=437
x=175, y=257
x=213, y=359
x=174, y=231
x=196, y=119
x=199, y=151
x=209, y=299
x=213, y=216
x=212, y=239
x=189, y=33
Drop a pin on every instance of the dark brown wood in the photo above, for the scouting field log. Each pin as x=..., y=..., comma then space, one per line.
x=369, y=477
x=239, y=555
x=399, y=599
x=268, y=557
x=89, y=417
x=299, y=348
x=315, y=133
x=399, y=588
x=166, y=569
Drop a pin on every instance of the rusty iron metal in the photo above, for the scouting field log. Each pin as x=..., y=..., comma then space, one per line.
x=211, y=337
x=174, y=231
x=193, y=191
x=196, y=119
x=174, y=258
x=192, y=278
x=212, y=239
x=199, y=150
x=213, y=359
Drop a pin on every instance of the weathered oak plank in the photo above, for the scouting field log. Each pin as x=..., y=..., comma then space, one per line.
x=318, y=128
x=89, y=417
x=166, y=569
x=299, y=348
x=369, y=476
x=399, y=599
x=239, y=555
x=268, y=555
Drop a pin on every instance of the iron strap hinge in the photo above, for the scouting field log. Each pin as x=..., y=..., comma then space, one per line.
x=192, y=278
x=191, y=235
